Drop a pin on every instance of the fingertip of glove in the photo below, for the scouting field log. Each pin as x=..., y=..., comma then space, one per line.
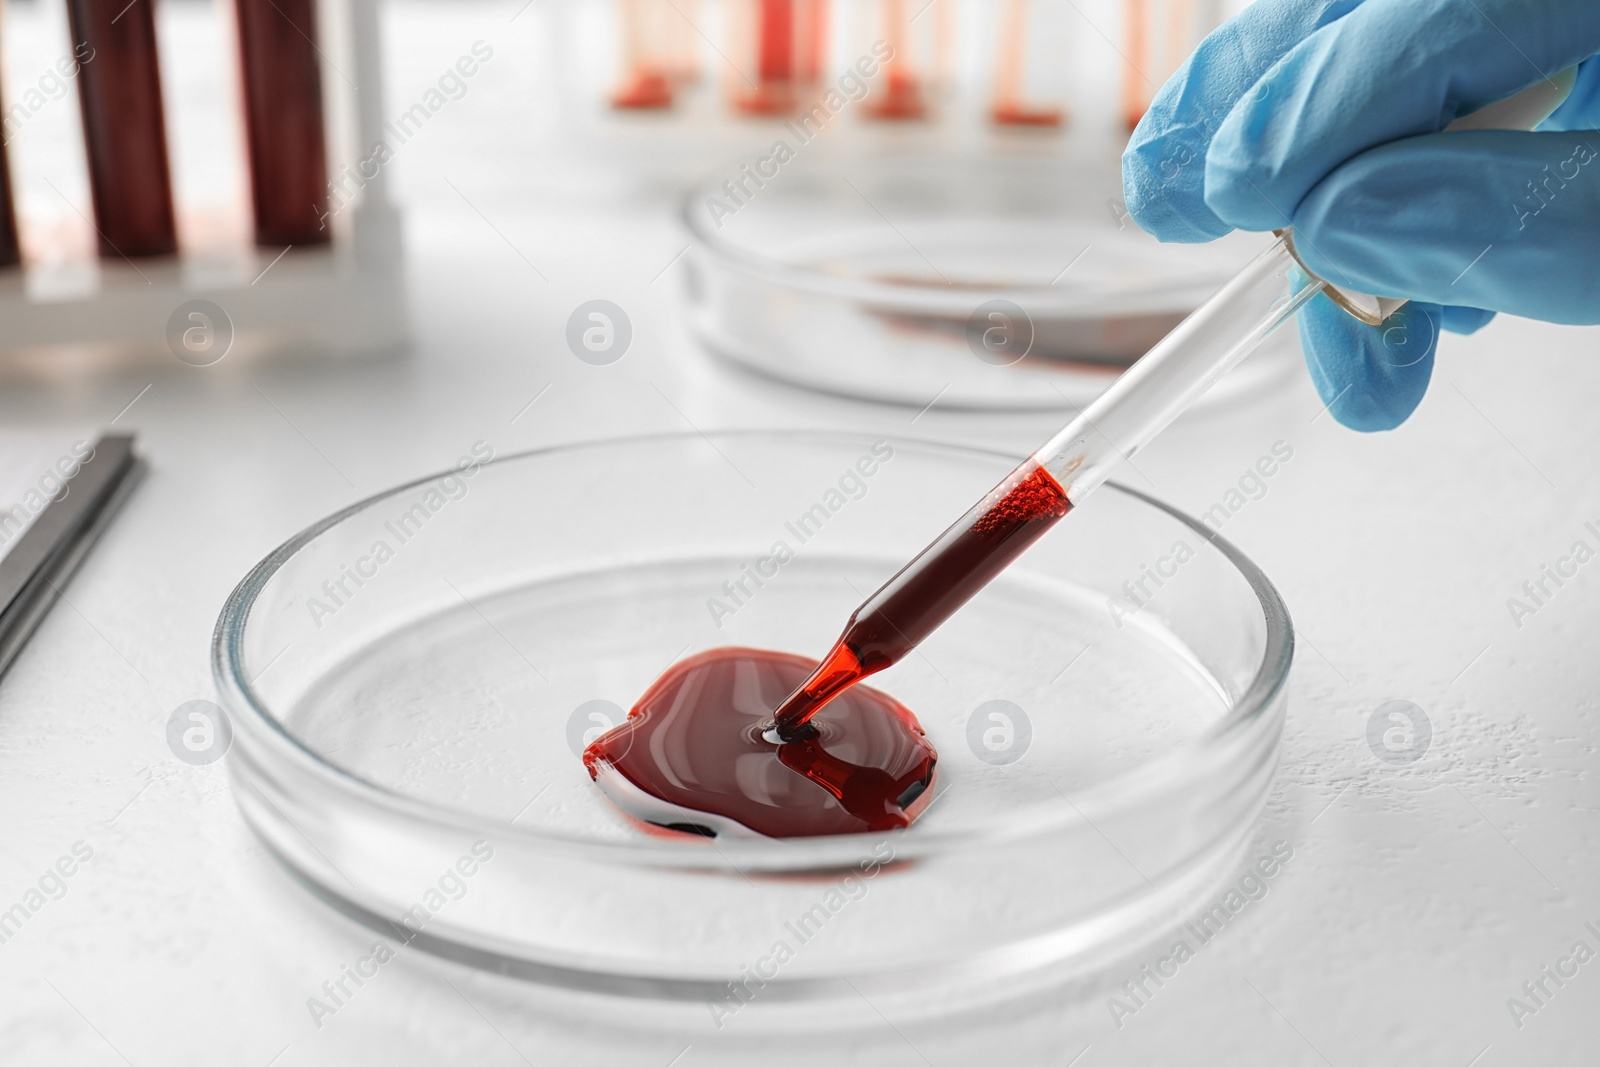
x=1163, y=171
x=1371, y=377
x=1265, y=155
x=1236, y=178
x=1160, y=209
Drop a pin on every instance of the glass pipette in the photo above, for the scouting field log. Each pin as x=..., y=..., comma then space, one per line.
x=1118, y=423
x=1056, y=478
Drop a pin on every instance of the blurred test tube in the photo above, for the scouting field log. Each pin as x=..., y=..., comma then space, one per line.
x=284, y=120
x=683, y=44
x=1158, y=37
x=778, y=48
x=119, y=87
x=901, y=95
x=651, y=53
x=1011, y=106
x=10, y=247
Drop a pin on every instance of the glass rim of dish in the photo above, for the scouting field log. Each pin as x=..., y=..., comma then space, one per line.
x=1156, y=297
x=240, y=696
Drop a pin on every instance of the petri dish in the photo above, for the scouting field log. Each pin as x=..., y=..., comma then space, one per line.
x=409, y=682
x=882, y=279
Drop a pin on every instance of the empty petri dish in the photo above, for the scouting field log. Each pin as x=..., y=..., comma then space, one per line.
x=410, y=682
x=989, y=282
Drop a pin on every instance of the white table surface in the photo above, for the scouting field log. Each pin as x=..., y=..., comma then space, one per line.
x=1420, y=898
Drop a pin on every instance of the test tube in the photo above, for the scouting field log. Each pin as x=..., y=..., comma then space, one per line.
x=124, y=130
x=1136, y=89
x=10, y=246
x=1010, y=107
x=782, y=40
x=902, y=96
x=1159, y=35
x=772, y=90
x=278, y=61
x=648, y=62
x=683, y=44
x=812, y=41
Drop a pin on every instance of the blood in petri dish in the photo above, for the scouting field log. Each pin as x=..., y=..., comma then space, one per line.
x=692, y=756
x=929, y=589
x=834, y=757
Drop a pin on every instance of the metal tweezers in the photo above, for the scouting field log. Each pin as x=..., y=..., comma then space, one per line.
x=50, y=549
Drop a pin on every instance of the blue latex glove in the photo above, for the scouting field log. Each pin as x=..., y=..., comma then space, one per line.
x=1325, y=115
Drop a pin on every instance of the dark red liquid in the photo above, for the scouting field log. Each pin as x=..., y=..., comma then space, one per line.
x=10, y=246
x=694, y=740
x=119, y=86
x=929, y=589
x=834, y=757
x=283, y=118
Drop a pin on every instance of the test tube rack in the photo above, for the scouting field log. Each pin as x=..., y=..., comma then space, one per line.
x=339, y=297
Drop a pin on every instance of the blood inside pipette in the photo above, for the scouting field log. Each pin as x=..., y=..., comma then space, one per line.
x=930, y=588
x=706, y=738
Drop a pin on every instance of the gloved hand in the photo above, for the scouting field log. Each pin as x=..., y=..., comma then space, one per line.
x=1325, y=115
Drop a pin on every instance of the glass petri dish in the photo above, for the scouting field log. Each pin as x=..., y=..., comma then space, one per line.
x=409, y=682
x=881, y=280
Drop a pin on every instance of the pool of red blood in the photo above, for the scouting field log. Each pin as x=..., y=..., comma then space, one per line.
x=694, y=740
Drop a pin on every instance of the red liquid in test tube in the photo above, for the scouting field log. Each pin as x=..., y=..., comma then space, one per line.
x=10, y=247
x=647, y=81
x=813, y=41
x=284, y=120
x=773, y=91
x=901, y=96
x=788, y=38
x=119, y=87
